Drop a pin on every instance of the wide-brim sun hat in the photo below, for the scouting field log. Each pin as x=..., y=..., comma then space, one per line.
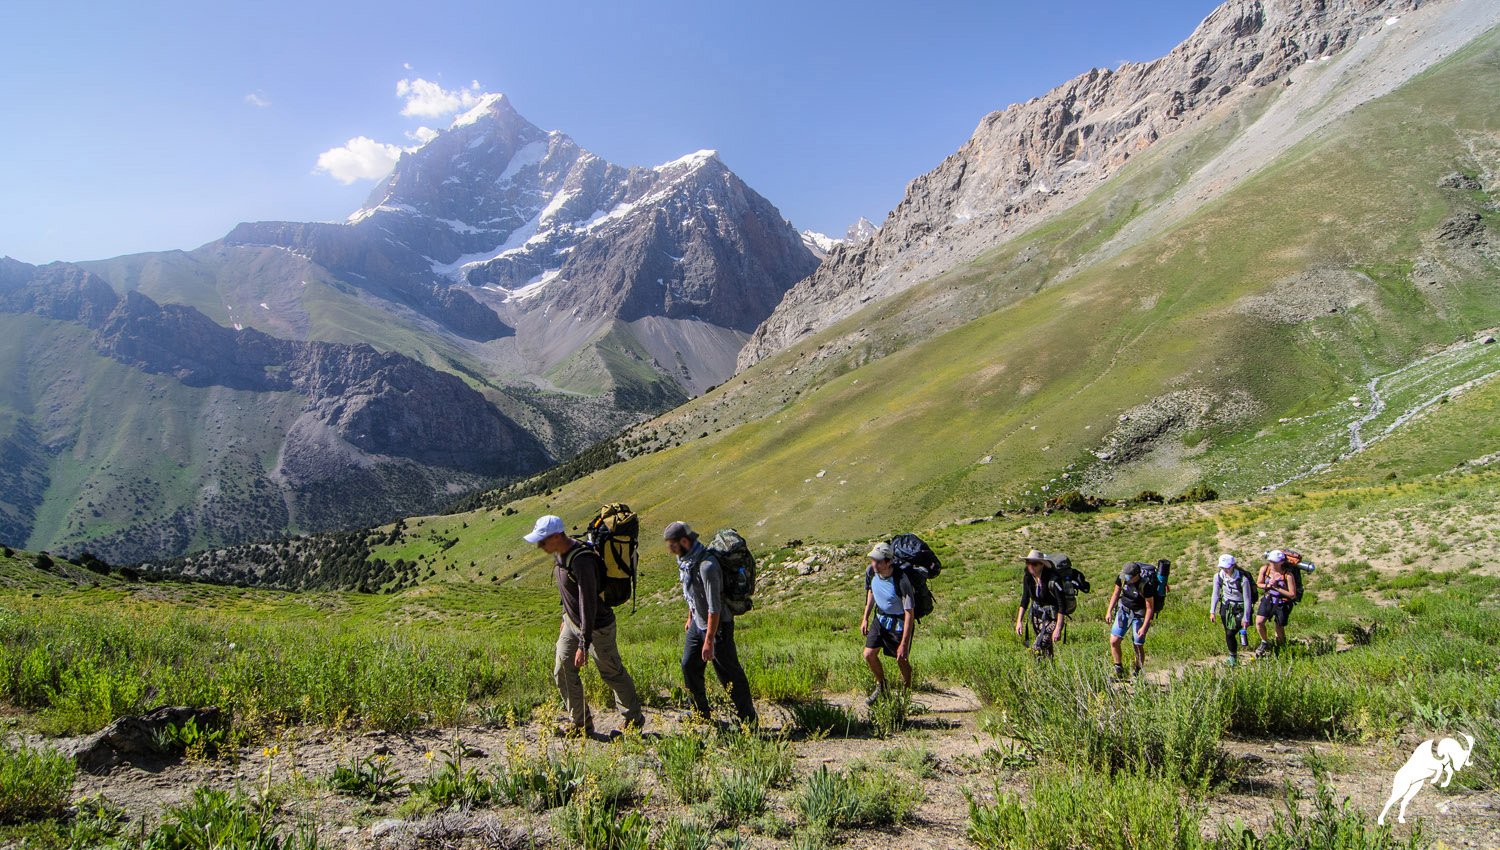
x=1036, y=555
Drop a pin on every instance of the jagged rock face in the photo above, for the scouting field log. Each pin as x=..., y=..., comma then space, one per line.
x=554, y=230
x=1031, y=160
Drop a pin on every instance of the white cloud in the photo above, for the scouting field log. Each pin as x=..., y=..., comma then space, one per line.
x=406, y=65
x=426, y=99
x=421, y=135
x=360, y=158
x=257, y=98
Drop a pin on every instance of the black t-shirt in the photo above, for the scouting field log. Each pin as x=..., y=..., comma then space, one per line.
x=1038, y=591
x=1132, y=596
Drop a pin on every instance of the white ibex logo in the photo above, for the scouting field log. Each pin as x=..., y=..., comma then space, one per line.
x=1424, y=766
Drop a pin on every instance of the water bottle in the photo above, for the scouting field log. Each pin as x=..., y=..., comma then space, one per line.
x=1244, y=638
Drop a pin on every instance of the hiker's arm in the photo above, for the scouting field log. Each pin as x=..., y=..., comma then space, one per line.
x=708, y=637
x=1260, y=580
x=864, y=622
x=1213, y=602
x=1245, y=599
x=1110, y=608
x=588, y=610
x=1150, y=612
x=1025, y=600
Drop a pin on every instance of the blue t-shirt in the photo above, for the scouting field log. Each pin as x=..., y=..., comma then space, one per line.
x=892, y=602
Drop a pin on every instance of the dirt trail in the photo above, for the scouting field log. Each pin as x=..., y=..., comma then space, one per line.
x=947, y=728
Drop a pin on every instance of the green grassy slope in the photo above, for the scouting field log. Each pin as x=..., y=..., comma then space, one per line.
x=1037, y=384
x=120, y=456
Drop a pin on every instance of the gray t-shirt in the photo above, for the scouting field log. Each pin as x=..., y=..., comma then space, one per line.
x=703, y=585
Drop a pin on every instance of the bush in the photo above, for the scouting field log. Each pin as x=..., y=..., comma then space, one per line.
x=823, y=717
x=845, y=799
x=1075, y=502
x=1069, y=708
x=370, y=779
x=34, y=784
x=1332, y=826
x=1082, y=809
x=223, y=821
x=681, y=766
x=590, y=824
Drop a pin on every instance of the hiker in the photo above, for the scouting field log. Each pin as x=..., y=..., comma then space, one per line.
x=892, y=598
x=1278, y=584
x=709, y=630
x=588, y=629
x=1231, y=603
x=1132, y=615
x=1040, y=596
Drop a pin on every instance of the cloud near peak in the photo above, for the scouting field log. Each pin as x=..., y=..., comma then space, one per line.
x=360, y=158
x=426, y=99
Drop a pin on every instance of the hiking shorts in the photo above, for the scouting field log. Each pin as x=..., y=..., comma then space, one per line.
x=1125, y=619
x=1276, y=612
x=887, y=640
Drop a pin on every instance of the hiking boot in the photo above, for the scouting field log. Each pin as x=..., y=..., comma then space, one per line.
x=875, y=695
x=568, y=730
x=1263, y=649
x=1232, y=660
x=1120, y=672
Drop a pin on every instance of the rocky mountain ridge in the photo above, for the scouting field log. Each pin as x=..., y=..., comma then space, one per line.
x=1033, y=160
x=494, y=226
x=380, y=430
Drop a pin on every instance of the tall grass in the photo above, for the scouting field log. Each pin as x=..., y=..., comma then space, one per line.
x=1078, y=808
x=34, y=784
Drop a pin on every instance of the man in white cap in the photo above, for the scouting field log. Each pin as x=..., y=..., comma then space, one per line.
x=1278, y=584
x=588, y=629
x=893, y=601
x=1234, y=592
x=709, y=630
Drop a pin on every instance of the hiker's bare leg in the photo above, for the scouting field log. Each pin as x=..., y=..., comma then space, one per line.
x=1260, y=627
x=905, y=666
x=1114, y=648
x=1140, y=657
x=872, y=658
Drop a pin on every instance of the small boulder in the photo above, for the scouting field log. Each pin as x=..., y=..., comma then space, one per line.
x=136, y=736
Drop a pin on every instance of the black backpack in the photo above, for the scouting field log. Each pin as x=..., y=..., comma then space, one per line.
x=909, y=550
x=738, y=567
x=1154, y=581
x=1066, y=583
x=614, y=534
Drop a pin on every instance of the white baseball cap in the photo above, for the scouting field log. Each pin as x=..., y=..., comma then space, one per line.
x=545, y=527
x=880, y=551
x=1226, y=561
x=1275, y=556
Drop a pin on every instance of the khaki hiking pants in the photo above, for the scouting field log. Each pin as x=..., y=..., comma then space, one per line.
x=606, y=656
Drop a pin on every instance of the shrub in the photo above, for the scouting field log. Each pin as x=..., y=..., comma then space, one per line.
x=452, y=784
x=738, y=795
x=845, y=799
x=1172, y=733
x=1083, y=809
x=1332, y=826
x=546, y=781
x=590, y=824
x=224, y=821
x=1075, y=502
x=681, y=764
x=34, y=784
x=370, y=779
x=823, y=717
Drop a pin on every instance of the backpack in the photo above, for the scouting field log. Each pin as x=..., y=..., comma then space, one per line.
x=1241, y=575
x=922, y=601
x=1294, y=560
x=1154, y=582
x=614, y=534
x=738, y=566
x=1066, y=583
x=909, y=550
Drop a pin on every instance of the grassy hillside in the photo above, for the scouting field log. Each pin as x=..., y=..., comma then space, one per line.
x=100, y=448
x=1281, y=301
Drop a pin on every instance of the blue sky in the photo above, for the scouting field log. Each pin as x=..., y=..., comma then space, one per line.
x=151, y=126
